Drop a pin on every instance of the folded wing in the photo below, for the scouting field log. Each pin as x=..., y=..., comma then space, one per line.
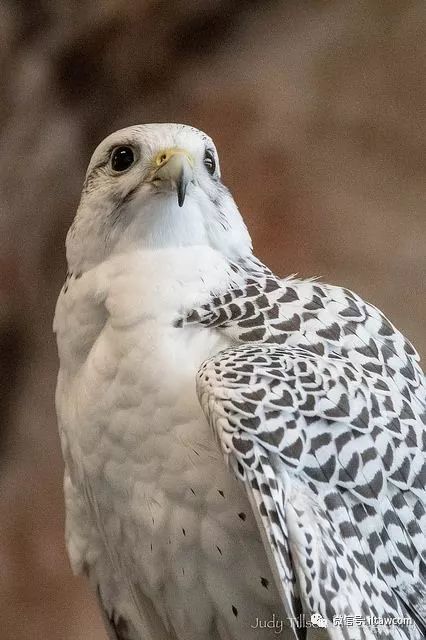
x=334, y=466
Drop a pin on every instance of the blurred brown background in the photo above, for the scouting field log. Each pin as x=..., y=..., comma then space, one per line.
x=318, y=111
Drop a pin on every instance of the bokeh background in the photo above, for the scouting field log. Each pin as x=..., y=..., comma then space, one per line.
x=318, y=111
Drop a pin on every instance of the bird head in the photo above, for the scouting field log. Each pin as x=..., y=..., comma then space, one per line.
x=154, y=186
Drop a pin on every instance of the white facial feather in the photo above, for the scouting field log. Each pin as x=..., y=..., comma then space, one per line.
x=120, y=211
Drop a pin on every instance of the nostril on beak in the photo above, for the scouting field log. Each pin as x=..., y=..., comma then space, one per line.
x=164, y=156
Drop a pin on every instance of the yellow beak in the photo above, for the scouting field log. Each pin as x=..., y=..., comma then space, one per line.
x=176, y=167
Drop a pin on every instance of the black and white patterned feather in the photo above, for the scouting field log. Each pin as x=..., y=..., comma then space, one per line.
x=320, y=410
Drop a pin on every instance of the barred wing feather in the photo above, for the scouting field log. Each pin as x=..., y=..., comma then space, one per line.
x=334, y=467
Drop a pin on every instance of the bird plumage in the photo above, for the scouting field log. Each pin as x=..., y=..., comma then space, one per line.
x=304, y=489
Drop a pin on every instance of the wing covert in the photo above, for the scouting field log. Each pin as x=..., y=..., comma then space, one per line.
x=335, y=475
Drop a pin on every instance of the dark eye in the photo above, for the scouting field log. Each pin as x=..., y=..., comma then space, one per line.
x=209, y=161
x=122, y=158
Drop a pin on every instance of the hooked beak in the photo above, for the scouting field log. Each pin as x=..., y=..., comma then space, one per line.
x=174, y=166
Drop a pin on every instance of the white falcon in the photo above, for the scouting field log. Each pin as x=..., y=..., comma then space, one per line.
x=242, y=453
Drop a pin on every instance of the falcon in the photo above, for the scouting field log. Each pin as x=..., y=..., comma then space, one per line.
x=244, y=454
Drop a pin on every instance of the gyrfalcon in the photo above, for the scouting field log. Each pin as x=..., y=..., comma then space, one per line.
x=244, y=454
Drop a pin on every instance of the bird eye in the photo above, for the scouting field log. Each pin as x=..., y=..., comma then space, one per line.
x=209, y=161
x=122, y=158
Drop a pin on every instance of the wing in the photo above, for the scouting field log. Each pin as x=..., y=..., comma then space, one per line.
x=334, y=466
x=320, y=318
